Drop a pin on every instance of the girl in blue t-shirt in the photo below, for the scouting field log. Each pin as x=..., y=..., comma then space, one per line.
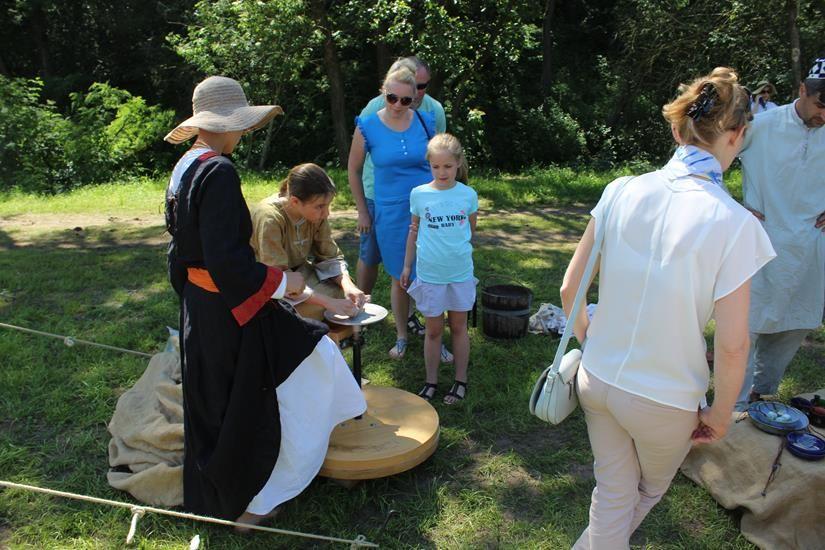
x=444, y=214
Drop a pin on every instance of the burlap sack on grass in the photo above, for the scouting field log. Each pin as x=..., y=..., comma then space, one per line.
x=146, y=449
x=734, y=471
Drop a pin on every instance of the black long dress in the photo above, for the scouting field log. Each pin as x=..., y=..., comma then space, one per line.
x=237, y=345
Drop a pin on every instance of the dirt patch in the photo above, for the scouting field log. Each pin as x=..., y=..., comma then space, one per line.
x=526, y=238
x=103, y=231
x=95, y=230
x=516, y=230
x=45, y=222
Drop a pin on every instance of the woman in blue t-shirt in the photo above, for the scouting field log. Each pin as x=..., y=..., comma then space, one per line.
x=396, y=138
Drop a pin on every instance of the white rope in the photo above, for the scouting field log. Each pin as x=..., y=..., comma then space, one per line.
x=138, y=511
x=71, y=341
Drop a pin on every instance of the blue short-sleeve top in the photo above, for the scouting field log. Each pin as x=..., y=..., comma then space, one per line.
x=398, y=157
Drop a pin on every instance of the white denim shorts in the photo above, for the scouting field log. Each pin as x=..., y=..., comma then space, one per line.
x=432, y=299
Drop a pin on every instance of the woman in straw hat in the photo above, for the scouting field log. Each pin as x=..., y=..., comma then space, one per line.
x=761, y=99
x=251, y=367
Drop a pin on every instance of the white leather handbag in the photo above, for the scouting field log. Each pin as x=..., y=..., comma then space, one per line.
x=554, y=394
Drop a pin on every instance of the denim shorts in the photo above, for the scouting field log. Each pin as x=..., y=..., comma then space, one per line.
x=368, y=250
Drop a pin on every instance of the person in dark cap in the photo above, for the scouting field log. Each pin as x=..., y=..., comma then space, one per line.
x=783, y=182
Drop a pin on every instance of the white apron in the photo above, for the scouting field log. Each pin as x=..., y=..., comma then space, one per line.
x=318, y=395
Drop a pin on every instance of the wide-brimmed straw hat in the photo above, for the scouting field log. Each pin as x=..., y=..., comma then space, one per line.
x=219, y=105
x=764, y=85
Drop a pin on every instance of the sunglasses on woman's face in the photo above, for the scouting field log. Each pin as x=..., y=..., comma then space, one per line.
x=392, y=99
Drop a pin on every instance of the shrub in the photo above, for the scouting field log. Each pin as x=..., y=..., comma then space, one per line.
x=108, y=133
x=537, y=135
x=33, y=139
x=117, y=131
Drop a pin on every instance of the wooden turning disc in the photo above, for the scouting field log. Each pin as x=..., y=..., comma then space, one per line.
x=398, y=432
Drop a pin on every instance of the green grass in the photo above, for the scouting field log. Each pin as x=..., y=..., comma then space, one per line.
x=499, y=478
x=144, y=196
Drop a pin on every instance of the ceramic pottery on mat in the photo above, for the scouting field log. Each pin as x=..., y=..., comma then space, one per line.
x=805, y=445
x=814, y=408
x=777, y=418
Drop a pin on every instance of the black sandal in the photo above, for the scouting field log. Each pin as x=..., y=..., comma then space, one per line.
x=457, y=385
x=425, y=393
x=414, y=325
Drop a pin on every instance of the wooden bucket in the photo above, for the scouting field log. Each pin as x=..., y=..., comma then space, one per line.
x=506, y=310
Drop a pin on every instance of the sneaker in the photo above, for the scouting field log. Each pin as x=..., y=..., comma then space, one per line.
x=446, y=356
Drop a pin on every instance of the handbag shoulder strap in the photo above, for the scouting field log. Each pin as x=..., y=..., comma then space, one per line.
x=588, y=272
x=421, y=120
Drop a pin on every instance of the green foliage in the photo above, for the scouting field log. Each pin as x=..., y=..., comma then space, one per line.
x=118, y=132
x=538, y=133
x=33, y=139
x=669, y=42
x=108, y=133
x=581, y=84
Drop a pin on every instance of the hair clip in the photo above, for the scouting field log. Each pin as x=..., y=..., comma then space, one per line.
x=704, y=103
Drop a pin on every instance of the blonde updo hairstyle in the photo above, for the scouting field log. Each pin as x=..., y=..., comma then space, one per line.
x=401, y=73
x=448, y=143
x=708, y=107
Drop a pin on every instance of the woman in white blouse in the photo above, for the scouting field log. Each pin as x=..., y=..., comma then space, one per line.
x=677, y=251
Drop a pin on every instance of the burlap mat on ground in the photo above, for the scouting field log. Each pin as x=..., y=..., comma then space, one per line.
x=734, y=471
x=146, y=450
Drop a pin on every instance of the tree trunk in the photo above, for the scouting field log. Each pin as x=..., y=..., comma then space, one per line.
x=383, y=57
x=270, y=131
x=793, y=14
x=38, y=27
x=332, y=65
x=547, y=48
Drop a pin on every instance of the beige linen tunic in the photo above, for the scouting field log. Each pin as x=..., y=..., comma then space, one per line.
x=305, y=247
x=278, y=241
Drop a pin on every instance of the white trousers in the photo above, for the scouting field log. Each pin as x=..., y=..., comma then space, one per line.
x=638, y=446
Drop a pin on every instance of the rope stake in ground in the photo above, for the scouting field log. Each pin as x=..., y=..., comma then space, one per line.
x=70, y=341
x=138, y=511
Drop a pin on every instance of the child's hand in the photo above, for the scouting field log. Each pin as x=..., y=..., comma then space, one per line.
x=343, y=307
x=294, y=283
x=364, y=222
x=405, y=277
x=357, y=297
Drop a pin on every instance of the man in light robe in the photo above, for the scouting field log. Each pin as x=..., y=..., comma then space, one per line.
x=783, y=181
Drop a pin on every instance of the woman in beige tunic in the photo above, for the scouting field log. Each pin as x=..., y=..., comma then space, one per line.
x=291, y=231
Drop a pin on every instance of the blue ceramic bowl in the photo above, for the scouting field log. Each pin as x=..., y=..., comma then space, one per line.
x=805, y=445
x=777, y=418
